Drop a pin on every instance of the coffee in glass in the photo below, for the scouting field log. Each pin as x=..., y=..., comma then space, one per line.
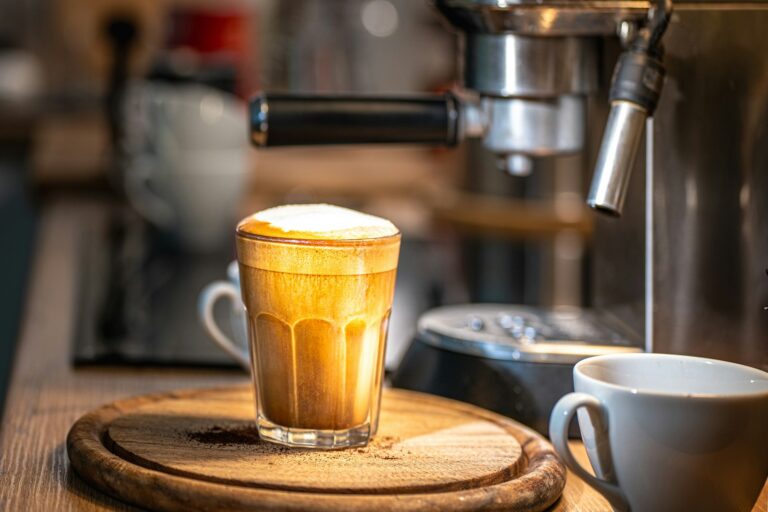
x=317, y=282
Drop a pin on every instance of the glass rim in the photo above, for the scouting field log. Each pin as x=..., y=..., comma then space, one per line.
x=341, y=242
x=647, y=391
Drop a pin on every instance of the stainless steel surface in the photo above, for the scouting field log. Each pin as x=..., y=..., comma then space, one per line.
x=519, y=333
x=471, y=119
x=708, y=241
x=542, y=17
x=534, y=67
x=623, y=134
x=532, y=89
x=532, y=92
x=516, y=165
x=636, y=87
x=535, y=127
x=626, y=31
x=710, y=196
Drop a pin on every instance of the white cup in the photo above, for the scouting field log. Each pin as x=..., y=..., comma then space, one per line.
x=668, y=432
x=188, y=163
x=237, y=347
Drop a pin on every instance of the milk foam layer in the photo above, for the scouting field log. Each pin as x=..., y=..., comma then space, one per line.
x=317, y=239
x=316, y=222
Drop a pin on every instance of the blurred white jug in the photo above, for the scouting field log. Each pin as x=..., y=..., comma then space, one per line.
x=188, y=158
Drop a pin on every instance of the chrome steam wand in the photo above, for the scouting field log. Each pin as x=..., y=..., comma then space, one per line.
x=635, y=90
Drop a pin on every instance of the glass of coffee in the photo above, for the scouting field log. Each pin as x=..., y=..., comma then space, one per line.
x=317, y=283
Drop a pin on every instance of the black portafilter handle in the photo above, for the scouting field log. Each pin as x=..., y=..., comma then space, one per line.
x=297, y=120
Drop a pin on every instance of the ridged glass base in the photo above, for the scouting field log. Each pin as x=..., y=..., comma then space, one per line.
x=316, y=439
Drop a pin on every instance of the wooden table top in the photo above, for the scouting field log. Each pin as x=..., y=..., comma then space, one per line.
x=46, y=395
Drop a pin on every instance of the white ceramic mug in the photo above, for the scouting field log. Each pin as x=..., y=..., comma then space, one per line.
x=668, y=433
x=188, y=161
x=237, y=347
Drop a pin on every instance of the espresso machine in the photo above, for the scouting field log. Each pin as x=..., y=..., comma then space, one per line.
x=670, y=108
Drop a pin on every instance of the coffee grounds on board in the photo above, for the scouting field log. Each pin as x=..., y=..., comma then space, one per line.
x=229, y=436
x=381, y=447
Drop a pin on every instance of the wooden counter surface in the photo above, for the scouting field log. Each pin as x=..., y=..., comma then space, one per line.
x=46, y=395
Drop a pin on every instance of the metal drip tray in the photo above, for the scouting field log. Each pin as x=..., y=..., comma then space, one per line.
x=138, y=295
x=520, y=333
x=514, y=360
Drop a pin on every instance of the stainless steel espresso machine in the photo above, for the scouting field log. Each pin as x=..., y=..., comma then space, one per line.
x=680, y=243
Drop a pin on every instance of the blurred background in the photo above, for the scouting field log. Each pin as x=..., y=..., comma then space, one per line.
x=129, y=116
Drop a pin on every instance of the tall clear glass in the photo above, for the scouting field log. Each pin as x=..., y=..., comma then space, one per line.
x=318, y=313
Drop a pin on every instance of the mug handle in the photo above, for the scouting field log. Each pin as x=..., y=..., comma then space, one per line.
x=559, y=424
x=208, y=298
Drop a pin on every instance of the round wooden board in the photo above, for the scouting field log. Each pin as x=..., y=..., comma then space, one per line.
x=198, y=450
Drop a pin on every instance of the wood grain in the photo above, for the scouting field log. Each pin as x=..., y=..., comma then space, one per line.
x=420, y=460
x=46, y=395
x=424, y=444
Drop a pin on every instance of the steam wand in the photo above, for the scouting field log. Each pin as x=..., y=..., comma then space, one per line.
x=635, y=91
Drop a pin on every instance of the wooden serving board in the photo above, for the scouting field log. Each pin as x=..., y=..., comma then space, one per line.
x=199, y=450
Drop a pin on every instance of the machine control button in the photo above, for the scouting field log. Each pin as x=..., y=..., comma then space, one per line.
x=510, y=322
x=475, y=323
x=529, y=334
